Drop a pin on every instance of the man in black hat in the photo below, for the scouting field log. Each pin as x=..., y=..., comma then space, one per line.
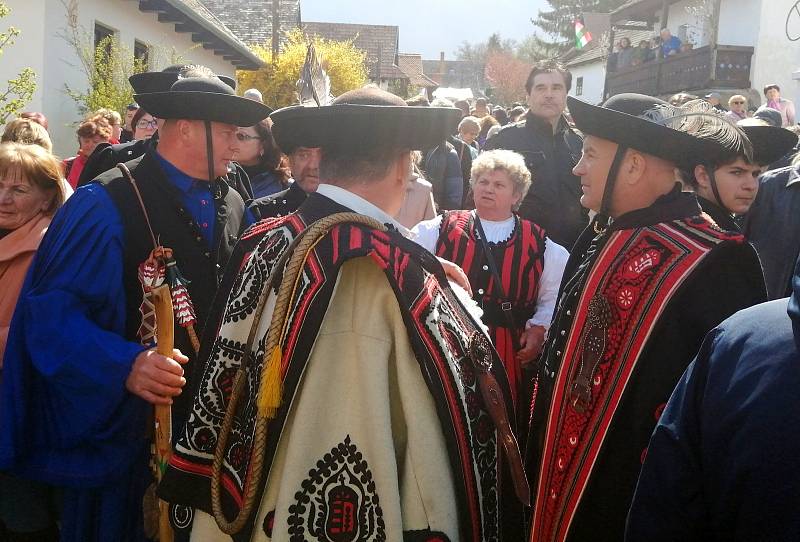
x=304, y=165
x=83, y=376
x=641, y=288
x=726, y=183
x=106, y=156
x=355, y=393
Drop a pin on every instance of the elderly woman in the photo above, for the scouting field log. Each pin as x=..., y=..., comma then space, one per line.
x=262, y=160
x=514, y=270
x=772, y=93
x=31, y=190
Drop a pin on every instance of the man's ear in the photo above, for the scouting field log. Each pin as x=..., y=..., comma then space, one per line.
x=702, y=177
x=402, y=167
x=634, y=166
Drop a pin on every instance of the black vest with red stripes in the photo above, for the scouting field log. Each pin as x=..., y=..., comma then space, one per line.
x=519, y=260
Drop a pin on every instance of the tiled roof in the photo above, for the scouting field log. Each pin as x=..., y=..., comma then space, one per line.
x=192, y=16
x=251, y=20
x=411, y=65
x=380, y=42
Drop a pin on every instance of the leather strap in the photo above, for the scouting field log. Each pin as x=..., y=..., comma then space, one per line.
x=506, y=307
x=127, y=173
x=480, y=351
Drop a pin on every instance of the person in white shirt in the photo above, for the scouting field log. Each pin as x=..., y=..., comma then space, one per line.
x=517, y=308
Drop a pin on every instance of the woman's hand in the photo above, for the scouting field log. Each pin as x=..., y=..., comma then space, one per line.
x=456, y=274
x=531, y=342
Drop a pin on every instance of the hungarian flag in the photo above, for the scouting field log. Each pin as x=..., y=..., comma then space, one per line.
x=582, y=36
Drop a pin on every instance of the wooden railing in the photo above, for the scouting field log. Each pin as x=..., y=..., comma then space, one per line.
x=722, y=66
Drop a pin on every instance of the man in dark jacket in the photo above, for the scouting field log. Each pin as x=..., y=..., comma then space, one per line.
x=773, y=226
x=722, y=462
x=551, y=149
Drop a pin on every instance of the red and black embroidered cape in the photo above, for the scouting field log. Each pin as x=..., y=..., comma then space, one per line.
x=632, y=315
x=439, y=343
x=519, y=260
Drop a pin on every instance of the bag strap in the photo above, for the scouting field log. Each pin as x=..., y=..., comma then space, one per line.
x=506, y=305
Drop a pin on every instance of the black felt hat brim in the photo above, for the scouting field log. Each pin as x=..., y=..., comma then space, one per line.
x=770, y=143
x=351, y=127
x=147, y=82
x=633, y=132
x=196, y=105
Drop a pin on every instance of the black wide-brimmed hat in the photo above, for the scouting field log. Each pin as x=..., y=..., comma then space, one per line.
x=643, y=123
x=365, y=118
x=203, y=98
x=770, y=143
x=147, y=82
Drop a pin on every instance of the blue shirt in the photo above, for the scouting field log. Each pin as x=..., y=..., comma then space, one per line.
x=196, y=198
x=672, y=44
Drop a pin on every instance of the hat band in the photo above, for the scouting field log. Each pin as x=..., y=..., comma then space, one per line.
x=611, y=180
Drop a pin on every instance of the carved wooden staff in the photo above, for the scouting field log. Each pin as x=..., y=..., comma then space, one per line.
x=165, y=342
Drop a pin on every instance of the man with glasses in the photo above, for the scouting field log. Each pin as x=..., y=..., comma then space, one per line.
x=738, y=108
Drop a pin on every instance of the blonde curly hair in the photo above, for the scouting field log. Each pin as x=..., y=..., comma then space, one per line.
x=510, y=162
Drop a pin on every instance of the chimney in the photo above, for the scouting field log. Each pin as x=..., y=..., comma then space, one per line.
x=441, y=64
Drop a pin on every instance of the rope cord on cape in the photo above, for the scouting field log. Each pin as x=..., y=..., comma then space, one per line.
x=288, y=267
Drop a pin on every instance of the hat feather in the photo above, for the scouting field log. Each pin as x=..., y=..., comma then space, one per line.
x=699, y=119
x=314, y=85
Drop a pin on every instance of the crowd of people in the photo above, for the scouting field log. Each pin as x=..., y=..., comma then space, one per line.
x=665, y=45
x=401, y=320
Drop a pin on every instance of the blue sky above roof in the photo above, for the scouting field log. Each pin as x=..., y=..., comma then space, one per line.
x=435, y=25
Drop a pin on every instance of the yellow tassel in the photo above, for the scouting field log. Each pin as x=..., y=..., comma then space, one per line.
x=271, y=391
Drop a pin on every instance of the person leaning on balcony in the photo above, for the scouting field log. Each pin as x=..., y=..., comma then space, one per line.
x=625, y=53
x=643, y=53
x=773, y=94
x=738, y=108
x=670, y=45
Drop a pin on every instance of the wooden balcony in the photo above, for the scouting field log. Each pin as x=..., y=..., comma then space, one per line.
x=718, y=67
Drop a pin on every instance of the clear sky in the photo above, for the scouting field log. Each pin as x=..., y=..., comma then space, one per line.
x=435, y=25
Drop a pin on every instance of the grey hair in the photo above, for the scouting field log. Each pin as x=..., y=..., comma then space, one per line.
x=442, y=102
x=469, y=122
x=196, y=70
x=503, y=160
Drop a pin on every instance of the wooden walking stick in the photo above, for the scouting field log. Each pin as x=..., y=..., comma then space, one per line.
x=165, y=342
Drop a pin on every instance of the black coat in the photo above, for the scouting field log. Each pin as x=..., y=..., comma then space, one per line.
x=278, y=204
x=107, y=156
x=773, y=226
x=728, y=279
x=553, y=200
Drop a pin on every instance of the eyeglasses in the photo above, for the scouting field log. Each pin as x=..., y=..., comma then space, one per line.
x=143, y=124
x=241, y=136
x=737, y=103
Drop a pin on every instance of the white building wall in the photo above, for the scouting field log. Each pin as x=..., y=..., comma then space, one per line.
x=680, y=14
x=776, y=57
x=594, y=79
x=739, y=22
x=43, y=26
x=27, y=15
